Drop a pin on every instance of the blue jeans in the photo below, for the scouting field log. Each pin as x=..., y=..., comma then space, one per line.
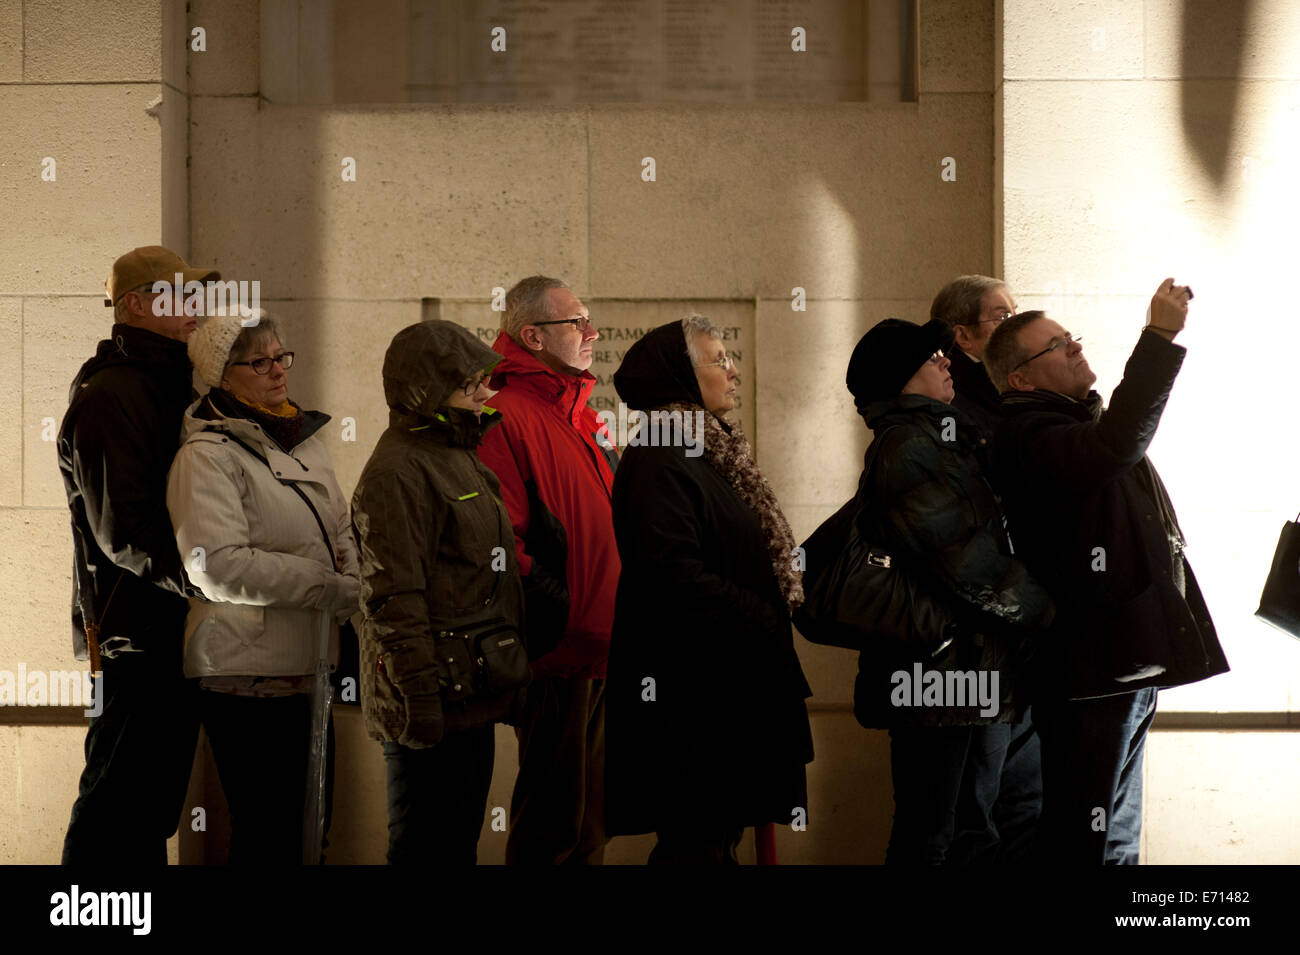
x=963, y=795
x=437, y=798
x=1092, y=777
x=1001, y=796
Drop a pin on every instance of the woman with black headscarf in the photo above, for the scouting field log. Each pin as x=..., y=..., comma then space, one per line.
x=706, y=729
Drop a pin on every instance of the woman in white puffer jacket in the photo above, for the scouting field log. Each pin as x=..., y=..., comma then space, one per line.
x=264, y=533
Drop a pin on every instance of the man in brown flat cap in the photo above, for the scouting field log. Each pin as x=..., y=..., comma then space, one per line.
x=117, y=440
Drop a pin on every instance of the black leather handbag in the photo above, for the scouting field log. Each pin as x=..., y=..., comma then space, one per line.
x=1280, y=602
x=857, y=593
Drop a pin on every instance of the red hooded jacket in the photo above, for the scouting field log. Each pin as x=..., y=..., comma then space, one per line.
x=556, y=480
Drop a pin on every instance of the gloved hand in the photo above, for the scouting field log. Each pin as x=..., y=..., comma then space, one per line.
x=342, y=593
x=424, y=723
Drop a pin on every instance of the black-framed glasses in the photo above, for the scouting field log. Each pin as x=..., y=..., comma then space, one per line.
x=262, y=366
x=1060, y=342
x=472, y=385
x=726, y=363
x=582, y=323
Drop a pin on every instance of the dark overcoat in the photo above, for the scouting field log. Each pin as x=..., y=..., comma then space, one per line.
x=706, y=724
x=1085, y=509
x=976, y=395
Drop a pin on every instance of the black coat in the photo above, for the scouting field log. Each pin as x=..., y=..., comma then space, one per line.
x=699, y=612
x=976, y=395
x=1080, y=496
x=115, y=446
x=926, y=500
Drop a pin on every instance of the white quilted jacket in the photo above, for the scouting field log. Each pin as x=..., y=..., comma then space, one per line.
x=252, y=546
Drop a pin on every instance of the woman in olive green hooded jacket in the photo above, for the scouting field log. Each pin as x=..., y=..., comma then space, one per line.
x=437, y=561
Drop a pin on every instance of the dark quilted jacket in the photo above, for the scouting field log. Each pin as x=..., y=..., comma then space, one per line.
x=931, y=507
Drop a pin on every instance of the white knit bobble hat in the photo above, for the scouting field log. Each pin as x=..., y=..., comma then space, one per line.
x=209, y=346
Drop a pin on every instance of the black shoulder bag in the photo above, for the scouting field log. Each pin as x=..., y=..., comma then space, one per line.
x=857, y=594
x=484, y=659
x=1280, y=602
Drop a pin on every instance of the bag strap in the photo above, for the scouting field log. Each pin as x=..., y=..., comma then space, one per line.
x=873, y=451
x=292, y=485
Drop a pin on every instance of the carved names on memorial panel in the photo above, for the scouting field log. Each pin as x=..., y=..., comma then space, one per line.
x=653, y=51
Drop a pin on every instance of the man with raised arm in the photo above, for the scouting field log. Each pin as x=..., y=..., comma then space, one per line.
x=1092, y=520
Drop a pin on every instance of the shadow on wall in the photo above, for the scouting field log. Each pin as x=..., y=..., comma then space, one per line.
x=1220, y=27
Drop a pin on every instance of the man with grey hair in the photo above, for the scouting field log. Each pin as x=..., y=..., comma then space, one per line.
x=973, y=305
x=556, y=462
x=115, y=445
x=1002, y=794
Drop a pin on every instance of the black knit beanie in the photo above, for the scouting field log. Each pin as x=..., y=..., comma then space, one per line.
x=887, y=357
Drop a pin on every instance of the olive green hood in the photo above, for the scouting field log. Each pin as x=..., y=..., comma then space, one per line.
x=427, y=362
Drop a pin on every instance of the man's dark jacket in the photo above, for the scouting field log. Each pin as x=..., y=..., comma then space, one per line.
x=115, y=445
x=975, y=392
x=1093, y=522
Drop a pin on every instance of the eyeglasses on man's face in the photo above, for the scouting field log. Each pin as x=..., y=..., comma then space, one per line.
x=1058, y=343
x=995, y=320
x=726, y=363
x=936, y=358
x=471, y=385
x=262, y=365
x=582, y=323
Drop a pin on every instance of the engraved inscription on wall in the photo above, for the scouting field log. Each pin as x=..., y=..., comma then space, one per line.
x=620, y=51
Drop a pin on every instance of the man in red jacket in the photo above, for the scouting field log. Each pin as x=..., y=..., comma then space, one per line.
x=556, y=465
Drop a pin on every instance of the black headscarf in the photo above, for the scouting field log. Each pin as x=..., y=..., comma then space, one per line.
x=657, y=371
x=657, y=374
